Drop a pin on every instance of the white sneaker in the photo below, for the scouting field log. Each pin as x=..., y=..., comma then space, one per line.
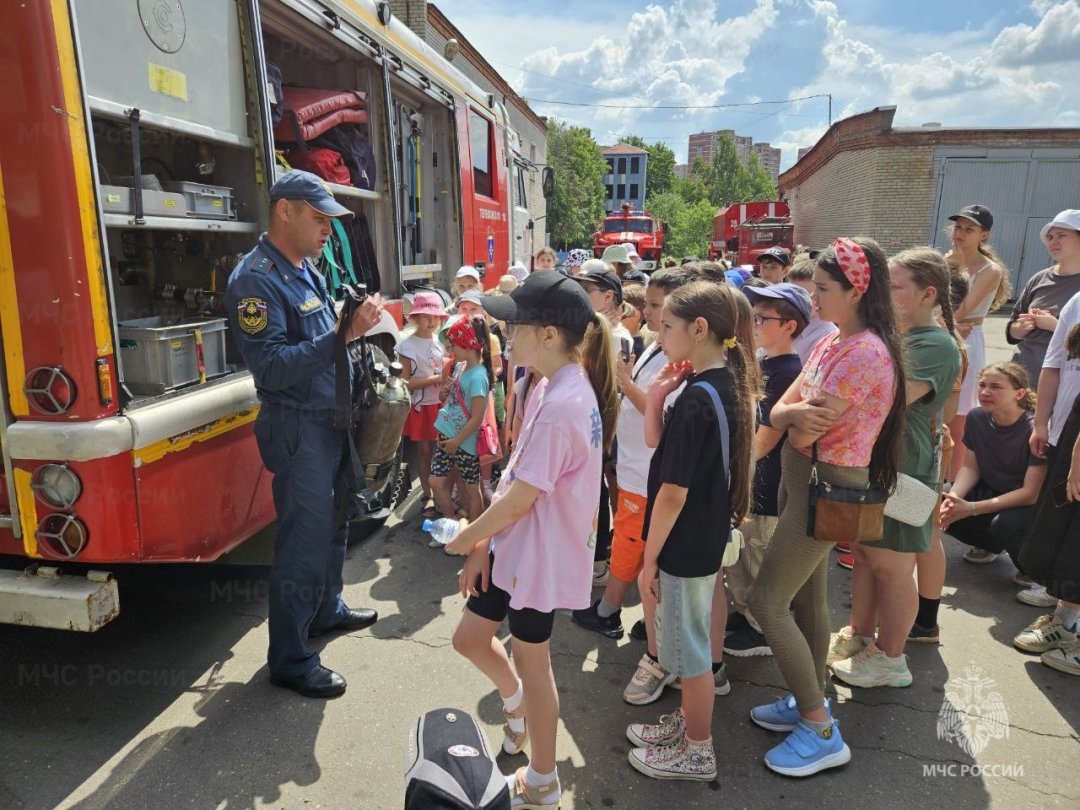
x=872, y=667
x=648, y=682
x=1044, y=634
x=1036, y=596
x=844, y=645
x=980, y=556
x=600, y=577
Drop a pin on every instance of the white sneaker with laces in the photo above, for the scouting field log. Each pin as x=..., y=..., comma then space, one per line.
x=1036, y=596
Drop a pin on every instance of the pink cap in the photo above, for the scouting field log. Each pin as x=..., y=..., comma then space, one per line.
x=427, y=303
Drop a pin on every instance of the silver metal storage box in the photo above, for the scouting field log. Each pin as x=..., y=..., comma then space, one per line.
x=159, y=356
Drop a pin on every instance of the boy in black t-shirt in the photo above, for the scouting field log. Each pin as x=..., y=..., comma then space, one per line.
x=781, y=312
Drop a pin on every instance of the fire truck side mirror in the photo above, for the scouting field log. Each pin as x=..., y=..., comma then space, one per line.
x=547, y=182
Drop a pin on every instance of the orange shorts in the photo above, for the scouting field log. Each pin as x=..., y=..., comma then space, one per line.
x=627, y=545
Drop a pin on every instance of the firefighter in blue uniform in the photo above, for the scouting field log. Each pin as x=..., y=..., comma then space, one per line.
x=284, y=321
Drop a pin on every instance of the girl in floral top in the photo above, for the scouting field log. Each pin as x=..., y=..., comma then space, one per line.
x=849, y=400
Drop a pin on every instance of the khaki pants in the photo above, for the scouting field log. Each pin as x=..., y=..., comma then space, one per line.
x=740, y=577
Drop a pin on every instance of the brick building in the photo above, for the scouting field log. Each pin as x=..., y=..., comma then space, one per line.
x=899, y=185
x=625, y=178
x=436, y=29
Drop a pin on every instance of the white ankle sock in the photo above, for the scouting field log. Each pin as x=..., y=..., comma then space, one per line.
x=1069, y=617
x=511, y=704
x=538, y=780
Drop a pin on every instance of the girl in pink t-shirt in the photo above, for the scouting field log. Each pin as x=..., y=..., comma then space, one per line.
x=849, y=400
x=528, y=552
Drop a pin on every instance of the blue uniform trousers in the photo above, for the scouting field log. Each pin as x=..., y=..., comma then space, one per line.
x=308, y=460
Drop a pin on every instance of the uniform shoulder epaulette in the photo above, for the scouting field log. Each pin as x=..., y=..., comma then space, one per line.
x=262, y=264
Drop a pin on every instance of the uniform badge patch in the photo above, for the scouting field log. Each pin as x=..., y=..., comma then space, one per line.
x=310, y=304
x=252, y=315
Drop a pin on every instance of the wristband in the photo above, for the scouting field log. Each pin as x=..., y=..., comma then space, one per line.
x=974, y=511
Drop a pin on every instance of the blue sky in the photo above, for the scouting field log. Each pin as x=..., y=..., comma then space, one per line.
x=959, y=62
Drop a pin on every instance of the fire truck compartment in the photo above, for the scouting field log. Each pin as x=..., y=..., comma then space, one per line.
x=41, y=596
x=161, y=355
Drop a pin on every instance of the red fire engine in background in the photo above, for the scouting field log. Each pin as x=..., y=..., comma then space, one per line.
x=743, y=231
x=639, y=228
x=135, y=158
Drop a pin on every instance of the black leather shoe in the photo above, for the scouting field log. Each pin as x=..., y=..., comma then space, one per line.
x=638, y=631
x=319, y=682
x=355, y=619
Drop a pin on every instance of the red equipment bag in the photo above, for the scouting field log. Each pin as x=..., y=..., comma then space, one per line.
x=309, y=112
x=325, y=163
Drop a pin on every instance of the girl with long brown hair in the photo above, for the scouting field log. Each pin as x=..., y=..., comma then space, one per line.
x=884, y=597
x=694, y=497
x=848, y=404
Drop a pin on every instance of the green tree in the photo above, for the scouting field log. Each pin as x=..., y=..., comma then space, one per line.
x=578, y=202
x=760, y=185
x=689, y=223
x=660, y=174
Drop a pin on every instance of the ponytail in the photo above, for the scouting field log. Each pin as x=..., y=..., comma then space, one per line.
x=928, y=268
x=598, y=360
x=729, y=316
x=1004, y=289
x=483, y=335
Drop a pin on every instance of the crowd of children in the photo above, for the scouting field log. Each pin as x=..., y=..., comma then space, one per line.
x=698, y=410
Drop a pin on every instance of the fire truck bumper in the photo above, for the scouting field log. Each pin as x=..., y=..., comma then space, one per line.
x=41, y=596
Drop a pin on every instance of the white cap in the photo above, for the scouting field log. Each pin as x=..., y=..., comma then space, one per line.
x=594, y=266
x=1069, y=218
x=519, y=271
x=631, y=249
x=468, y=270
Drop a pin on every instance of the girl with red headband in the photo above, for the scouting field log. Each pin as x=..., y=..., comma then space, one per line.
x=460, y=418
x=849, y=402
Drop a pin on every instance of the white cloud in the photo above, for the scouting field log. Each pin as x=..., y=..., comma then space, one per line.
x=1024, y=76
x=680, y=54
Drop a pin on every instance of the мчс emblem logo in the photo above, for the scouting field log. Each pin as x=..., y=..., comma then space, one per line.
x=973, y=712
x=251, y=313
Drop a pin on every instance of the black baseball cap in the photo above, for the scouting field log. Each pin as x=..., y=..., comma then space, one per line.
x=634, y=274
x=776, y=252
x=604, y=280
x=300, y=185
x=979, y=214
x=544, y=298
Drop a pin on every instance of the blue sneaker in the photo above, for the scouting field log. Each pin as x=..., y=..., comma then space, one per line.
x=804, y=753
x=782, y=715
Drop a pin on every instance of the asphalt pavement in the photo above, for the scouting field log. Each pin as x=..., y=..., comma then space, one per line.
x=169, y=706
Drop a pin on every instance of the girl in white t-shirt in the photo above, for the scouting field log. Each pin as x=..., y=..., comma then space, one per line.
x=528, y=552
x=424, y=356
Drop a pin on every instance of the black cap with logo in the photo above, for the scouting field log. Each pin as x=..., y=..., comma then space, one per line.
x=604, y=280
x=544, y=298
x=978, y=214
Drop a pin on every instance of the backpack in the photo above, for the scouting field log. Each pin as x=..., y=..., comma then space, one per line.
x=448, y=765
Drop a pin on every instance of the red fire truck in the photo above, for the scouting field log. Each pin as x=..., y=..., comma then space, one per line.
x=743, y=231
x=136, y=152
x=639, y=228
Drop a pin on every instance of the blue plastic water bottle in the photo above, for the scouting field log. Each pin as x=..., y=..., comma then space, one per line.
x=442, y=531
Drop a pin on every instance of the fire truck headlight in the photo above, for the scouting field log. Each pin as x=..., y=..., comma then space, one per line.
x=49, y=390
x=56, y=485
x=61, y=536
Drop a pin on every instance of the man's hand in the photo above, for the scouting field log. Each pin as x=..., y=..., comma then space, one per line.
x=364, y=317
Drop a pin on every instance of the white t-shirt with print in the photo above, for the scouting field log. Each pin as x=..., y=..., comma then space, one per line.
x=425, y=357
x=632, y=465
x=1056, y=357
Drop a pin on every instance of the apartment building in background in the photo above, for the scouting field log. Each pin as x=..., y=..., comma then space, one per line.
x=703, y=145
x=625, y=176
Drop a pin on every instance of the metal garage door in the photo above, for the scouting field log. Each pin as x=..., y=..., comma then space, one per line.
x=1024, y=188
